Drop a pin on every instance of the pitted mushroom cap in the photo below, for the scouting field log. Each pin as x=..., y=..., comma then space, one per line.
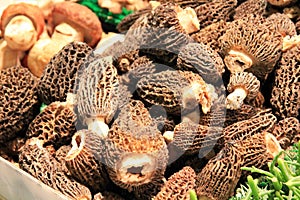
x=257, y=7
x=78, y=16
x=214, y=11
x=59, y=76
x=249, y=46
x=31, y=11
x=178, y=185
x=246, y=81
x=98, y=90
x=281, y=23
x=201, y=59
x=219, y=177
x=55, y=125
x=281, y=3
x=18, y=101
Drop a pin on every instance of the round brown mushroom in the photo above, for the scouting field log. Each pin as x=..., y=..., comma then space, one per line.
x=281, y=3
x=18, y=101
x=242, y=85
x=21, y=25
x=87, y=21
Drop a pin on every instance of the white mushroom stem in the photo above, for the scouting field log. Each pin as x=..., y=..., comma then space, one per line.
x=235, y=99
x=273, y=146
x=8, y=57
x=290, y=42
x=237, y=61
x=188, y=20
x=20, y=33
x=65, y=33
x=98, y=126
x=168, y=136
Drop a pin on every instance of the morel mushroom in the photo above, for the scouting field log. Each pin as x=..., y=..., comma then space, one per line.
x=59, y=76
x=248, y=46
x=281, y=3
x=281, y=23
x=178, y=185
x=242, y=85
x=21, y=25
x=175, y=90
x=85, y=160
x=219, y=177
x=258, y=149
x=97, y=94
x=192, y=138
x=285, y=94
x=38, y=162
x=18, y=101
x=203, y=60
x=137, y=155
x=257, y=7
x=286, y=130
x=55, y=125
x=215, y=11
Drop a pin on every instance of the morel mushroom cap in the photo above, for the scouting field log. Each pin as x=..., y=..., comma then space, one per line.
x=178, y=185
x=258, y=149
x=215, y=11
x=59, y=75
x=175, y=90
x=136, y=155
x=192, y=138
x=18, y=101
x=97, y=94
x=219, y=177
x=55, y=125
x=242, y=85
x=257, y=7
x=249, y=46
x=285, y=94
x=21, y=25
x=281, y=3
x=286, y=130
x=281, y=23
x=201, y=59
x=86, y=21
x=85, y=159
x=263, y=121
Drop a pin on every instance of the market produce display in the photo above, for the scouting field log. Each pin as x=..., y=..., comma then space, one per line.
x=200, y=100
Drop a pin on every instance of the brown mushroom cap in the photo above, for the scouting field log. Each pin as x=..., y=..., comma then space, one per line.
x=281, y=23
x=257, y=7
x=79, y=16
x=31, y=11
x=281, y=3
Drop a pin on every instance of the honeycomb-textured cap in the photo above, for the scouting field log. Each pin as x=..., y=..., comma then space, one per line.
x=257, y=7
x=281, y=23
x=18, y=101
x=59, y=75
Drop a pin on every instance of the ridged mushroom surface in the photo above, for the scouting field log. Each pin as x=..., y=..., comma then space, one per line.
x=257, y=7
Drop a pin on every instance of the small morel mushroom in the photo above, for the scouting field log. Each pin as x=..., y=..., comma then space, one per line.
x=257, y=7
x=210, y=34
x=59, y=75
x=262, y=121
x=286, y=130
x=85, y=159
x=56, y=124
x=192, y=138
x=281, y=3
x=249, y=46
x=281, y=23
x=242, y=85
x=18, y=101
x=178, y=185
x=203, y=60
x=37, y=161
x=175, y=90
x=218, y=179
x=136, y=156
x=97, y=94
x=258, y=149
x=285, y=94
x=215, y=11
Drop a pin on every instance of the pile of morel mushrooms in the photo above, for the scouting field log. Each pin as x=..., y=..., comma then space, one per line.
x=196, y=91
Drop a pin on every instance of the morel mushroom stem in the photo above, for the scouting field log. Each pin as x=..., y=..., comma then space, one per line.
x=169, y=136
x=98, y=126
x=188, y=20
x=20, y=33
x=235, y=99
x=290, y=42
x=237, y=61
